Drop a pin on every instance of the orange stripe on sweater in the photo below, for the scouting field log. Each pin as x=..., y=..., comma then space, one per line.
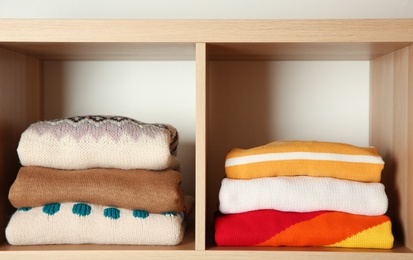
x=364, y=172
x=324, y=230
x=304, y=146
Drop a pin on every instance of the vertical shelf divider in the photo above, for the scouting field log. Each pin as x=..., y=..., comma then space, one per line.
x=21, y=104
x=200, y=147
x=390, y=124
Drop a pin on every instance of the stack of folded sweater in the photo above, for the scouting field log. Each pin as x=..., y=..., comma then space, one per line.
x=98, y=180
x=303, y=193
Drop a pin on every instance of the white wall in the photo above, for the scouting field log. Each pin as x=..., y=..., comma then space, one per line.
x=255, y=102
x=148, y=91
x=206, y=9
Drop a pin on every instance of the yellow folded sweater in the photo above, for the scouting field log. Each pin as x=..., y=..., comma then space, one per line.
x=310, y=158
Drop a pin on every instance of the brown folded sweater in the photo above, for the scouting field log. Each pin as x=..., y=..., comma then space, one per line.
x=152, y=191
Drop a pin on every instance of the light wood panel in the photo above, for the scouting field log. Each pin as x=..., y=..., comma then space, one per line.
x=301, y=51
x=200, y=149
x=105, y=51
x=409, y=179
x=212, y=31
x=216, y=51
x=20, y=105
x=126, y=252
x=391, y=130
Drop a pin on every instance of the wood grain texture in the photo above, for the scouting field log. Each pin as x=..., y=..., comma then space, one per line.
x=104, y=50
x=391, y=112
x=133, y=252
x=314, y=30
x=409, y=180
x=200, y=168
x=20, y=105
x=174, y=39
x=301, y=51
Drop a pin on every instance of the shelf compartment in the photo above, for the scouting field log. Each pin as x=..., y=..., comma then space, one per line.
x=391, y=67
x=27, y=72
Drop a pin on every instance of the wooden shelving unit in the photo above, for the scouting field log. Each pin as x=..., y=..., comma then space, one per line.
x=386, y=43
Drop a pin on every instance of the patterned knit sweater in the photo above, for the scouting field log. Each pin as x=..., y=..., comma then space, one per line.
x=318, y=228
x=85, y=223
x=99, y=141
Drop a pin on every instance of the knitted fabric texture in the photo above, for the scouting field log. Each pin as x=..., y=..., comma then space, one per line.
x=152, y=191
x=82, y=223
x=99, y=142
x=321, y=228
x=302, y=194
x=311, y=158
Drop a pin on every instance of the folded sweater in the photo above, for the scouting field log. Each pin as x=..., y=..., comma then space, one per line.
x=320, y=228
x=311, y=158
x=82, y=223
x=99, y=142
x=152, y=191
x=302, y=194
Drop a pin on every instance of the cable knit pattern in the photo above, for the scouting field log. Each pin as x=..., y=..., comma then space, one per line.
x=81, y=223
x=84, y=142
x=153, y=191
x=302, y=194
x=319, y=228
x=310, y=158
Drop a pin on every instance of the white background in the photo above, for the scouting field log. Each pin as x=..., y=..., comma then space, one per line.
x=206, y=9
x=303, y=100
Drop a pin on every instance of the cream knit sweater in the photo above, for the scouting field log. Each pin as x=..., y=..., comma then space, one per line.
x=81, y=223
x=99, y=141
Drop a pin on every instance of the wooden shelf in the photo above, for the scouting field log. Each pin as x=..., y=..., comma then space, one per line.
x=208, y=31
x=301, y=51
x=25, y=44
x=105, y=51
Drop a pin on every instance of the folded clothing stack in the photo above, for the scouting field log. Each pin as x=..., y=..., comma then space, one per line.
x=98, y=180
x=303, y=193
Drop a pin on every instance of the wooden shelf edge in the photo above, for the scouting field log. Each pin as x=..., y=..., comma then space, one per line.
x=187, y=248
x=197, y=30
x=286, y=253
x=397, y=249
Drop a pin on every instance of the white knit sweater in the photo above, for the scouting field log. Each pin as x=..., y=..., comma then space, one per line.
x=302, y=194
x=79, y=223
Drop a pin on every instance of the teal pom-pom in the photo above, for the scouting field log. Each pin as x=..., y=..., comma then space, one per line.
x=24, y=209
x=113, y=213
x=51, y=209
x=81, y=209
x=169, y=213
x=140, y=214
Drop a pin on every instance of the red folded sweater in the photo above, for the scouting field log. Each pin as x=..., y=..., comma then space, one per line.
x=320, y=228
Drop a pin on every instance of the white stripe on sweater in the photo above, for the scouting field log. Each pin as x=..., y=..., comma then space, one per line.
x=302, y=156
